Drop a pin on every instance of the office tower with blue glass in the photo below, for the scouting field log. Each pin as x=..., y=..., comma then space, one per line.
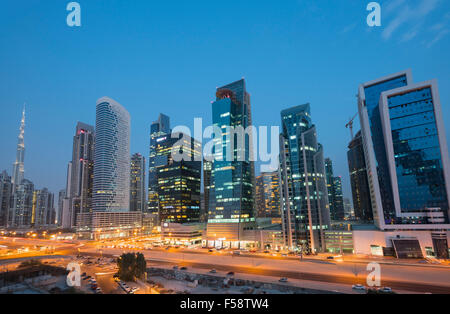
x=159, y=130
x=407, y=156
x=231, y=202
x=305, y=206
x=111, y=157
x=6, y=188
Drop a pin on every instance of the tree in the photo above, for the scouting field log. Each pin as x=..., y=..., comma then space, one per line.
x=127, y=265
x=141, y=265
x=131, y=266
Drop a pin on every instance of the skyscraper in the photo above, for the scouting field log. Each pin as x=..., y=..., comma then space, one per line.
x=158, y=130
x=335, y=197
x=406, y=153
x=358, y=179
x=18, y=168
x=137, y=184
x=267, y=196
x=111, y=157
x=59, y=215
x=179, y=182
x=6, y=189
x=305, y=207
x=231, y=205
x=373, y=141
x=81, y=178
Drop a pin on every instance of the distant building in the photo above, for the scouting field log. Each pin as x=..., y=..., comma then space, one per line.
x=335, y=196
x=358, y=179
x=111, y=157
x=207, y=169
x=348, y=209
x=59, y=215
x=158, y=130
x=21, y=212
x=305, y=207
x=6, y=189
x=43, y=208
x=80, y=177
x=137, y=184
x=267, y=196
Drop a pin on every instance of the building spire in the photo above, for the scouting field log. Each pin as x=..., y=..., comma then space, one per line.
x=18, y=168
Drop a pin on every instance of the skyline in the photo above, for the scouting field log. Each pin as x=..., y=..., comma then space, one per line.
x=68, y=65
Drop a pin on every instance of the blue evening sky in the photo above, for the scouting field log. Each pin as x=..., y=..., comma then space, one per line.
x=169, y=56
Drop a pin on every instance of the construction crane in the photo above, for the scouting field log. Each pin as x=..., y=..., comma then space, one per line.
x=350, y=125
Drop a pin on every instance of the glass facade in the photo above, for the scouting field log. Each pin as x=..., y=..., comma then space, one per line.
x=232, y=181
x=179, y=182
x=267, y=196
x=305, y=206
x=417, y=153
x=158, y=130
x=335, y=196
x=372, y=98
x=112, y=157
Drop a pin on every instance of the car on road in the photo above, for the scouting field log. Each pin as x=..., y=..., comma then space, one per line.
x=211, y=251
x=213, y=271
x=98, y=291
x=359, y=287
x=230, y=273
x=385, y=290
x=236, y=253
x=183, y=268
x=283, y=280
x=330, y=257
x=135, y=289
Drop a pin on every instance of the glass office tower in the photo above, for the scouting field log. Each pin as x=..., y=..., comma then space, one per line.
x=158, y=130
x=335, y=197
x=179, y=182
x=267, y=196
x=112, y=157
x=305, y=206
x=231, y=205
x=406, y=153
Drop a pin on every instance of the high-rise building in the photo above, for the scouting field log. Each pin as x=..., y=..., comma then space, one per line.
x=59, y=215
x=207, y=168
x=267, y=196
x=362, y=203
x=231, y=202
x=81, y=178
x=111, y=157
x=179, y=182
x=406, y=154
x=6, y=188
x=348, y=209
x=305, y=207
x=21, y=212
x=158, y=130
x=137, y=184
x=335, y=196
x=18, y=168
x=43, y=208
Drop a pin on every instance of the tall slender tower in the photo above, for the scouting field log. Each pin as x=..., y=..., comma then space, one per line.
x=18, y=168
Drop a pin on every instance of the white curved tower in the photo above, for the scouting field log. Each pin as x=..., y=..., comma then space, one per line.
x=111, y=157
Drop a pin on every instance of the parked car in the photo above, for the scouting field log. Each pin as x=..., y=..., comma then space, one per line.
x=283, y=280
x=230, y=273
x=359, y=287
x=385, y=290
x=183, y=268
x=213, y=271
